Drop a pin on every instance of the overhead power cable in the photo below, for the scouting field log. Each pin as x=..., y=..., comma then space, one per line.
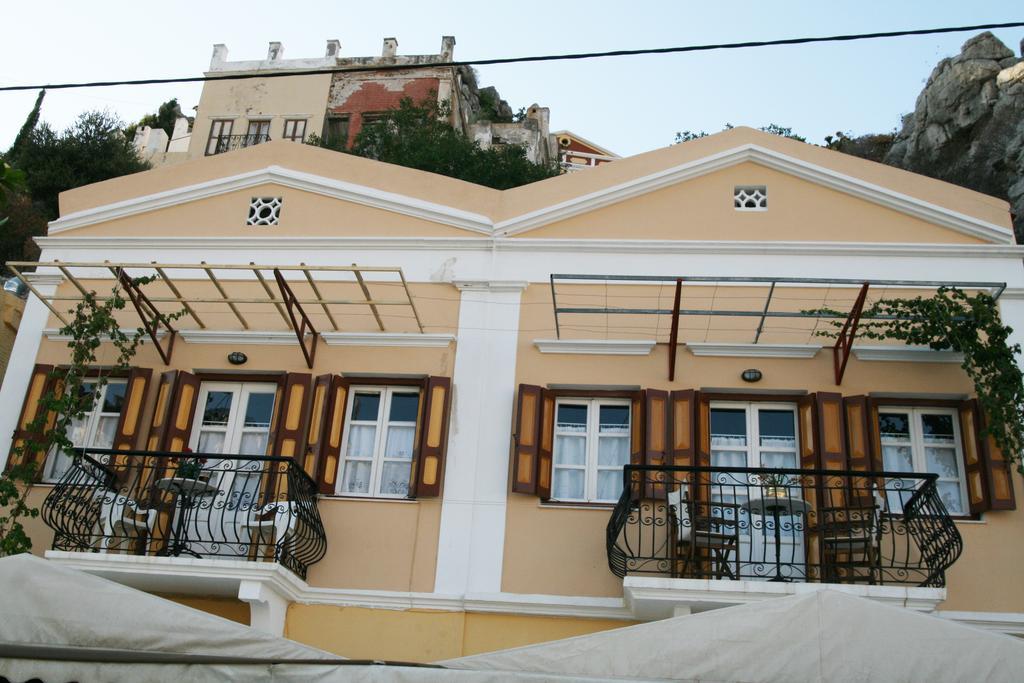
x=520, y=60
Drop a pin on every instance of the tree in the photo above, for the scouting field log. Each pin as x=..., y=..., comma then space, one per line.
x=418, y=135
x=773, y=128
x=26, y=129
x=94, y=148
x=12, y=181
x=164, y=118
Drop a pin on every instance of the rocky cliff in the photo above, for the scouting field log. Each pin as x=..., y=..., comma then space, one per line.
x=968, y=124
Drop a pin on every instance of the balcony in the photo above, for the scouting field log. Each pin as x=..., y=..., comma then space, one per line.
x=248, y=508
x=708, y=530
x=226, y=143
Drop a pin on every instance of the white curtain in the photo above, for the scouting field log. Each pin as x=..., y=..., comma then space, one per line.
x=400, y=442
x=568, y=484
x=361, y=440
x=357, y=477
x=570, y=450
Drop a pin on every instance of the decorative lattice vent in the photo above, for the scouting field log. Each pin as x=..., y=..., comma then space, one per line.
x=750, y=197
x=264, y=211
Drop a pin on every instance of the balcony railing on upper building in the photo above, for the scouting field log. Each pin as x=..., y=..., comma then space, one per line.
x=226, y=143
x=741, y=523
x=239, y=507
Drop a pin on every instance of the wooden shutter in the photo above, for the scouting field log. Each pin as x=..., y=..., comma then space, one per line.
x=293, y=415
x=703, y=432
x=974, y=465
x=831, y=432
x=39, y=384
x=875, y=437
x=657, y=421
x=637, y=429
x=526, y=439
x=127, y=434
x=545, y=444
x=333, y=430
x=858, y=433
x=684, y=412
x=997, y=469
x=182, y=410
x=807, y=428
x=161, y=411
x=318, y=415
x=428, y=468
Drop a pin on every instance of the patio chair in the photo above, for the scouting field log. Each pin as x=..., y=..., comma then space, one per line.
x=704, y=537
x=851, y=537
x=269, y=527
x=124, y=524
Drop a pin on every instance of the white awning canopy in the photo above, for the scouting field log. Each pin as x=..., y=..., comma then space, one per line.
x=824, y=635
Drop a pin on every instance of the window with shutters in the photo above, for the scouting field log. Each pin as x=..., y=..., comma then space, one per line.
x=335, y=133
x=95, y=429
x=754, y=435
x=591, y=445
x=924, y=439
x=379, y=441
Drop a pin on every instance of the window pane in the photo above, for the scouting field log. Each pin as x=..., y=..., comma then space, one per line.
x=949, y=492
x=404, y=407
x=218, y=408
x=612, y=450
x=728, y=459
x=253, y=443
x=609, y=484
x=361, y=440
x=76, y=431
x=394, y=480
x=399, y=443
x=784, y=461
x=211, y=442
x=113, y=400
x=366, y=407
x=259, y=410
x=105, y=431
x=728, y=427
x=570, y=450
x=572, y=418
x=356, y=478
x=568, y=484
x=894, y=425
x=897, y=458
x=614, y=420
x=937, y=428
x=943, y=462
x=777, y=428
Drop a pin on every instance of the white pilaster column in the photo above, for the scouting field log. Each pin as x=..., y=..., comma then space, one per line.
x=472, y=537
x=23, y=358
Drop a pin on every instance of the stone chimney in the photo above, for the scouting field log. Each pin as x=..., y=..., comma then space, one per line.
x=275, y=51
x=447, y=48
x=333, y=48
x=390, y=47
x=220, y=54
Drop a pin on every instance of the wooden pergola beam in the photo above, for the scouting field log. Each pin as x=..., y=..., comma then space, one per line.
x=673, y=335
x=844, y=342
x=302, y=328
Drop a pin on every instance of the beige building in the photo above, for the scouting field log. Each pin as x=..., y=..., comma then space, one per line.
x=433, y=465
x=302, y=97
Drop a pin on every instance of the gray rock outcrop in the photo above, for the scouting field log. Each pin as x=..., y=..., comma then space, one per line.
x=968, y=124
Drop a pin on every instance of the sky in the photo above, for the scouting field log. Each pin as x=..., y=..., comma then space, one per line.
x=628, y=104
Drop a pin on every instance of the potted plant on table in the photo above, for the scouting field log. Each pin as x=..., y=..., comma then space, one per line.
x=775, y=484
x=191, y=467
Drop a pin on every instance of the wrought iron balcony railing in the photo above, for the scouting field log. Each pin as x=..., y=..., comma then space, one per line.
x=226, y=143
x=240, y=507
x=826, y=526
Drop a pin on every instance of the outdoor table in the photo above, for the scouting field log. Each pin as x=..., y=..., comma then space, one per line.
x=187, y=490
x=774, y=505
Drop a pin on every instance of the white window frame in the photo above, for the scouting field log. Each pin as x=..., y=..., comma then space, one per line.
x=383, y=425
x=92, y=422
x=753, y=448
x=235, y=427
x=590, y=466
x=919, y=462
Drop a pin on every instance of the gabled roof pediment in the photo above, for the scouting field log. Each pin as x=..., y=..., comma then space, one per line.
x=484, y=211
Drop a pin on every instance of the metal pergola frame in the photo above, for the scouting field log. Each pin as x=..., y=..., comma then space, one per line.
x=284, y=300
x=844, y=342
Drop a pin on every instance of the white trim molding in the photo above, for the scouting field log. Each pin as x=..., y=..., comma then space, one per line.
x=599, y=347
x=268, y=337
x=524, y=244
x=906, y=354
x=406, y=339
x=1010, y=623
x=285, y=177
x=650, y=598
x=754, y=350
x=877, y=194
x=54, y=334
x=490, y=285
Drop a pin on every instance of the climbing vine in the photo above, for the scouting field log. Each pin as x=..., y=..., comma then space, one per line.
x=93, y=323
x=952, y=320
